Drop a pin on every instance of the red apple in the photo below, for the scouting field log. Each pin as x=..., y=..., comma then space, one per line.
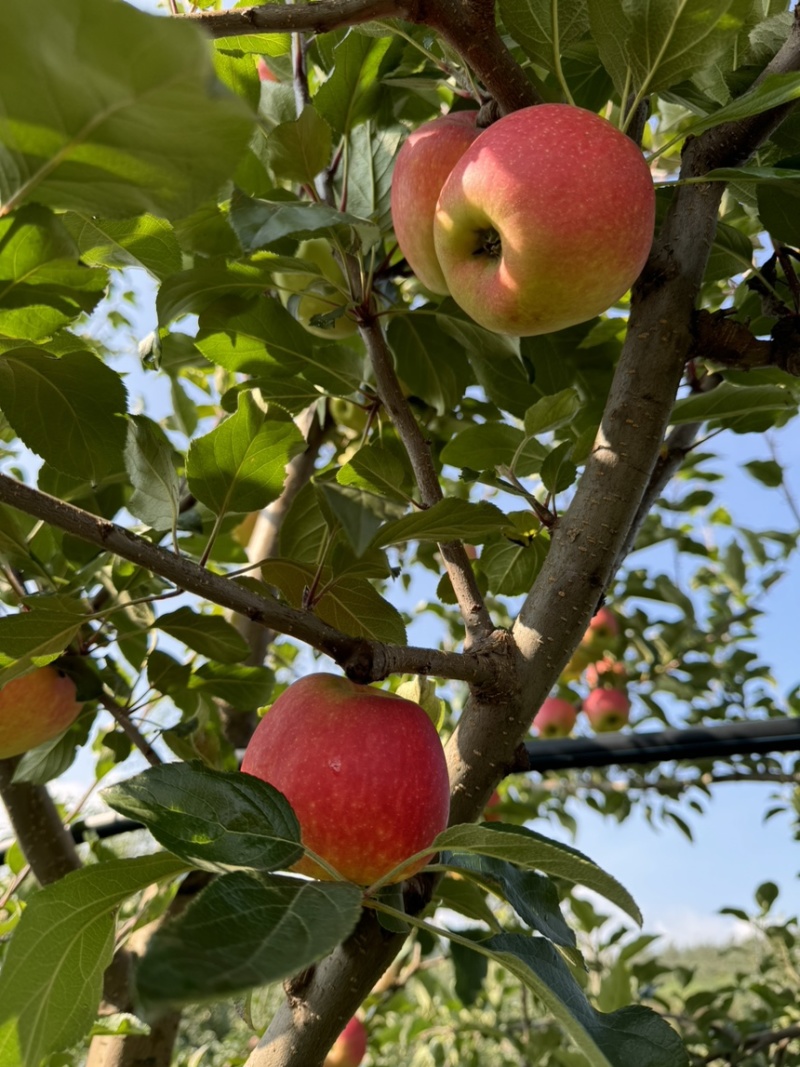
x=490, y=812
x=604, y=625
x=606, y=673
x=545, y=220
x=555, y=718
x=363, y=769
x=35, y=708
x=349, y=1047
x=607, y=710
x=422, y=165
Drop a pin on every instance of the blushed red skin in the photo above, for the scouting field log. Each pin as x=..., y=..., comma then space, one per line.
x=264, y=73
x=555, y=718
x=604, y=623
x=349, y=1047
x=363, y=769
x=573, y=203
x=421, y=168
x=35, y=708
x=607, y=710
x=608, y=673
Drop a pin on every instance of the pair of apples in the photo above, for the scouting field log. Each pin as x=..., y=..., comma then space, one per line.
x=539, y=222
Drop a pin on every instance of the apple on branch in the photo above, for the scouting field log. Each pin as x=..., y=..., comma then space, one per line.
x=545, y=221
x=349, y=1047
x=422, y=166
x=607, y=710
x=35, y=708
x=310, y=295
x=555, y=718
x=364, y=770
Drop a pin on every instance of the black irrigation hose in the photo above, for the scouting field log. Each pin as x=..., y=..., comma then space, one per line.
x=617, y=750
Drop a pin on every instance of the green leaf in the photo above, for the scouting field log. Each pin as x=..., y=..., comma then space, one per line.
x=449, y=520
x=631, y=1037
x=532, y=851
x=242, y=932
x=778, y=209
x=241, y=464
x=129, y=120
x=350, y=93
x=149, y=459
x=544, y=29
x=260, y=223
x=297, y=151
x=533, y=896
x=552, y=411
x=774, y=90
x=215, y=820
x=52, y=977
x=51, y=759
x=244, y=688
x=485, y=446
x=42, y=284
x=373, y=150
x=766, y=471
x=192, y=291
x=266, y=340
x=360, y=513
x=558, y=472
x=378, y=469
x=728, y=401
x=356, y=607
x=210, y=635
x=67, y=410
x=144, y=241
x=429, y=361
x=35, y=638
x=511, y=567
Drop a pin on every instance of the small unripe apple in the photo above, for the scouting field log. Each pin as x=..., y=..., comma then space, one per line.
x=607, y=673
x=364, y=770
x=607, y=710
x=35, y=708
x=422, y=166
x=555, y=718
x=308, y=295
x=349, y=1047
x=545, y=221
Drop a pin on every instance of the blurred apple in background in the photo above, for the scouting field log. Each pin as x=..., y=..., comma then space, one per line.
x=309, y=295
x=607, y=673
x=555, y=718
x=423, y=163
x=528, y=229
x=607, y=710
x=349, y=1048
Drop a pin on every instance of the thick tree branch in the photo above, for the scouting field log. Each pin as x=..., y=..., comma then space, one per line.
x=362, y=660
x=42, y=836
x=476, y=617
x=321, y=17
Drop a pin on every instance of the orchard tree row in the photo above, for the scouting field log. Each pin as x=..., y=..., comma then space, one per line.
x=363, y=370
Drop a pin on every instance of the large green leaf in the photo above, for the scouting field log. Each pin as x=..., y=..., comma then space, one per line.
x=260, y=223
x=144, y=241
x=449, y=520
x=42, y=284
x=210, y=635
x=349, y=94
x=241, y=464
x=299, y=149
x=631, y=1037
x=369, y=178
x=774, y=90
x=219, y=821
x=544, y=29
x=112, y=112
x=242, y=932
x=150, y=462
x=52, y=977
x=532, y=851
x=430, y=362
x=66, y=409
x=355, y=606
x=728, y=401
x=36, y=637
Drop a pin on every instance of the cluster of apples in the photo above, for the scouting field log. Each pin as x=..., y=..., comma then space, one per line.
x=521, y=222
x=607, y=706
